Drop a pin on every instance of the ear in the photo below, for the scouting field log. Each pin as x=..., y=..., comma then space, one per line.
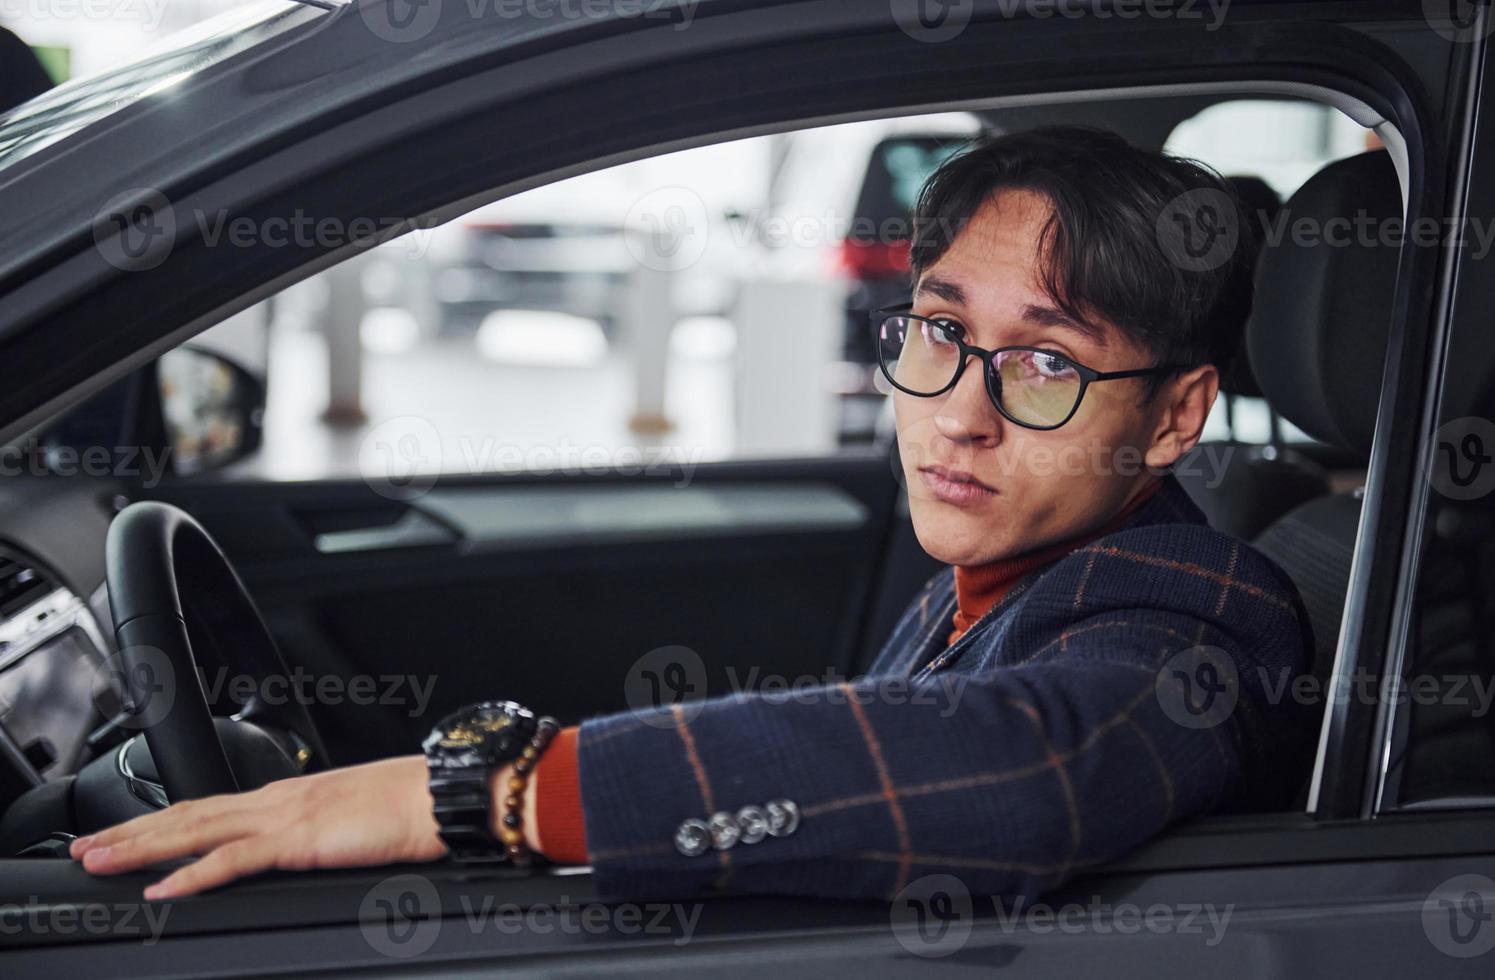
x=1182, y=405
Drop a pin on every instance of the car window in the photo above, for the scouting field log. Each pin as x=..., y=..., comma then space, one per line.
x=617, y=319
x=640, y=314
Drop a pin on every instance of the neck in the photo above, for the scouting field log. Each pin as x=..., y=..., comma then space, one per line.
x=978, y=588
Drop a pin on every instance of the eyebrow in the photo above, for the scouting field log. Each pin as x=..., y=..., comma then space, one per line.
x=1040, y=316
x=1052, y=316
x=943, y=288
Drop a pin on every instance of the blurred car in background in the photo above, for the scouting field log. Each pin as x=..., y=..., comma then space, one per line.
x=864, y=179
x=541, y=250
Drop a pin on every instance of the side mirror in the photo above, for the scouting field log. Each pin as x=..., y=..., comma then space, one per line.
x=211, y=408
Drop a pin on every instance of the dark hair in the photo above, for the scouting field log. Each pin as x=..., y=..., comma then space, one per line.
x=1116, y=243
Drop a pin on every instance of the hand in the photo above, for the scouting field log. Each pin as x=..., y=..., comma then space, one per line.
x=378, y=813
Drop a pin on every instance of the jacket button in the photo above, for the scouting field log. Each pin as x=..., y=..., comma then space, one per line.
x=753, y=823
x=724, y=830
x=693, y=837
x=783, y=817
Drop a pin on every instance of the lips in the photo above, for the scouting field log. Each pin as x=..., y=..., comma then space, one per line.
x=955, y=486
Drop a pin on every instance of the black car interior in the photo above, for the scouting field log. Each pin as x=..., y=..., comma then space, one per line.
x=486, y=610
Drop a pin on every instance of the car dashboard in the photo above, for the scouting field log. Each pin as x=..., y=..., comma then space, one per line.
x=59, y=700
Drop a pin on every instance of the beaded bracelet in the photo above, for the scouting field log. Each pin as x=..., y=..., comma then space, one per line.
x=511, y=828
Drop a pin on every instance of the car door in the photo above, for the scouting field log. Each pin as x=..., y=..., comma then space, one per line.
x=1330, y=887
x=588, y=594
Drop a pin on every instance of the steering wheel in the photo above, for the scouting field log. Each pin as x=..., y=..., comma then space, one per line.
x=170, y=585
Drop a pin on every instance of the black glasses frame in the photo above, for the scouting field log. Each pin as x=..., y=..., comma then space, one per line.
x=1088, y=375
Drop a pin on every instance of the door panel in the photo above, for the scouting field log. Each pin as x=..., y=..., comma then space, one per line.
x=549, y=591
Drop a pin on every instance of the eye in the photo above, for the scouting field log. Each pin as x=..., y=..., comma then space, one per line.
x=1051, y=365
x=941, y=332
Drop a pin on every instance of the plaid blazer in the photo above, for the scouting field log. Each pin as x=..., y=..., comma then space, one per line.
x=1143, y=678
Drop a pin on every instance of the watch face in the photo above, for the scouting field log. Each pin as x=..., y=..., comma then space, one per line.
x=482, y=734
x=474, y=731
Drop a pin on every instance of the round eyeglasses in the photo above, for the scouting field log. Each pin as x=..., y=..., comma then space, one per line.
x=1030, y=386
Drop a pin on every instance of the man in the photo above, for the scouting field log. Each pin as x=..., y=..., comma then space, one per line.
x=1096, y=664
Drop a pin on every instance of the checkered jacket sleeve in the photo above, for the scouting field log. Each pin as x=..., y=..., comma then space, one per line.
x=1142, y=679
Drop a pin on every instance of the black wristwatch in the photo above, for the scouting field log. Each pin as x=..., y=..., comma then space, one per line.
x=461, y=753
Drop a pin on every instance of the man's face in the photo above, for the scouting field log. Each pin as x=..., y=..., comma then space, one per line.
x=982, y=488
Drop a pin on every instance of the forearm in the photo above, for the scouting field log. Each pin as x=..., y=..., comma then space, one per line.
x=1022, y=778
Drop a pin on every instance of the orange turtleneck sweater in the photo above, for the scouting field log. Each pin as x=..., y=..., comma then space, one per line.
x=557, y=782
x=978, y=588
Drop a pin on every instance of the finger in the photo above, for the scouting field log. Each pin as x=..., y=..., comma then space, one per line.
x=149, y=823
x=245, y=856
x=192, y=835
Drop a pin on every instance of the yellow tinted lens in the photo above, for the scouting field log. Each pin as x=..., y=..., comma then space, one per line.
x=1037, y=388
x=920, y=356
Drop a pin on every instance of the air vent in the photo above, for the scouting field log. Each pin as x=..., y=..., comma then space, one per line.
x=21, y=585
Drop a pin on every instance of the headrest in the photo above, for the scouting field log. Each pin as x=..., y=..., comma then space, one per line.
x=1261, y=205
x=1322, y=314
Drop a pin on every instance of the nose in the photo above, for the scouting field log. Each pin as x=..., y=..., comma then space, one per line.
x=967, y=414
